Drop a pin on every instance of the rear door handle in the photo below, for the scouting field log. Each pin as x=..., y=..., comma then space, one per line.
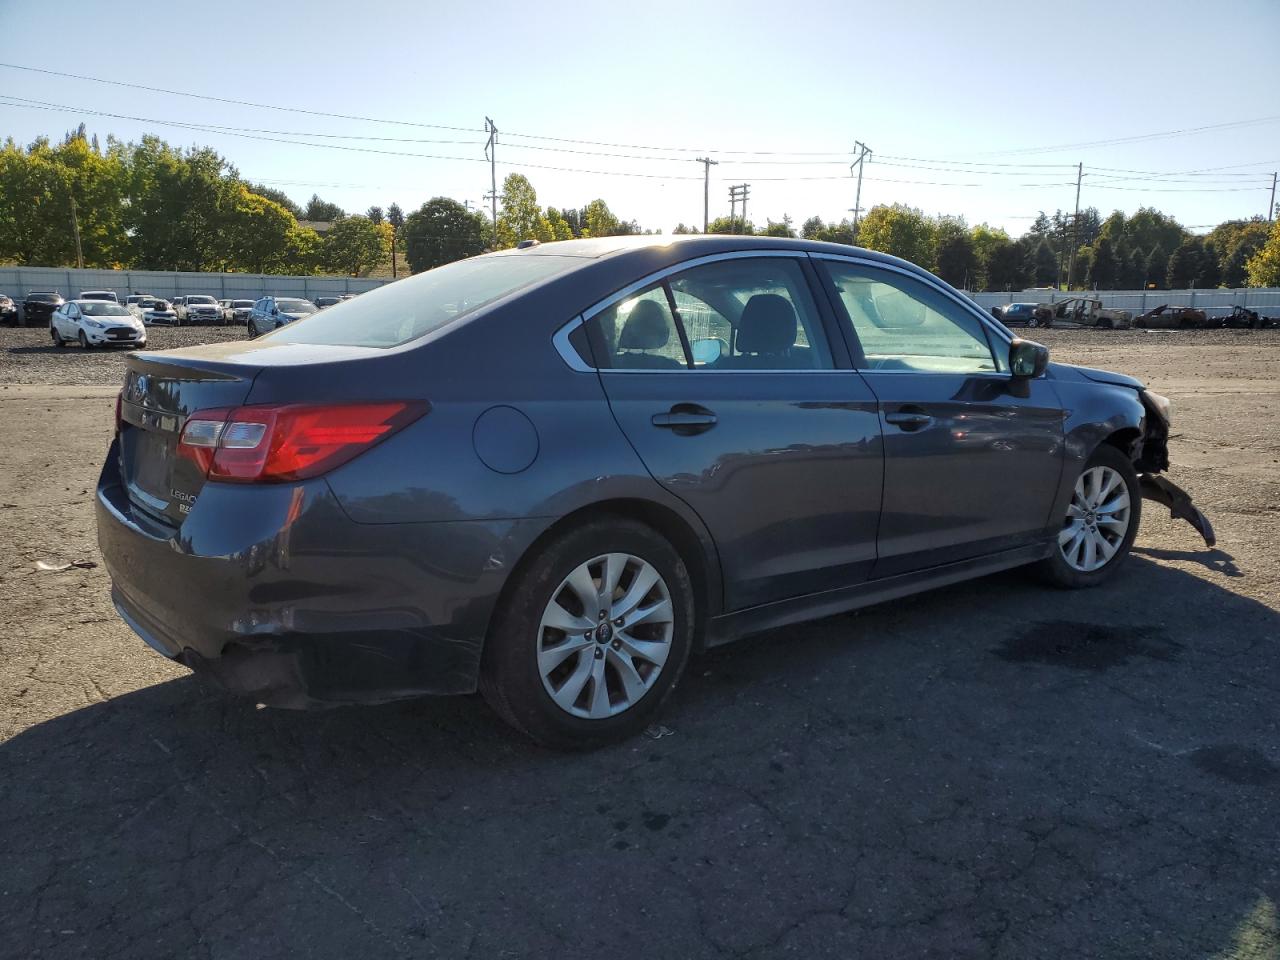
x=909, y=419
x=685, y=419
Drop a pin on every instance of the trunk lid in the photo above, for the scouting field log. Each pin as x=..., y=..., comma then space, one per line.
x=160, y=392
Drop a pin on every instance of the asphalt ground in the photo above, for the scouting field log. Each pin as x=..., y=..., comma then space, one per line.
x=996, y=769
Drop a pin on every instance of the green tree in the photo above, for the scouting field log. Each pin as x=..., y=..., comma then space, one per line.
x=682, y=229
x=1210, y=274
x=1044, y=265
x=783, y=228
x=1264, y=266
x=1005, y=267
x=812, y=227
x=560, y=229
x=1133, y=270
x=1104, y=270
x=352, y=246
x=730, y=225
x=322, y=211
x=520, y=215
x=1184, y=265
x=599, y=221
x=955, y=256
x=1235, y=272
x=898, y=230
x=442, y=231
x=1226, y=237
x=257, y=234
x=1149, y=227
x=375, y=215
x=276, y=196
x=1157, y=266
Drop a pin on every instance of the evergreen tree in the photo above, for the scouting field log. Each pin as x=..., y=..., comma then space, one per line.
x=1157, y=266
x=1235, y=273
x=1044, y=265
x=1104, y=270
x=1184, y=265
x=1210, y=275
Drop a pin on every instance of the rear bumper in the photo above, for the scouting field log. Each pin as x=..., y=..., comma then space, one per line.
x=272, y=592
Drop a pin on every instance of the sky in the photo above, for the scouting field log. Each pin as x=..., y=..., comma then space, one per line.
x=980, y=109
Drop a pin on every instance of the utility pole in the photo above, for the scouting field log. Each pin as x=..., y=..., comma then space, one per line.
x=75, y=229
x=707, y=164
x=863, y=152
x=1271, y=207
x=491, y=152
x=746, y=192
x=737, y=192
x=1075, y=228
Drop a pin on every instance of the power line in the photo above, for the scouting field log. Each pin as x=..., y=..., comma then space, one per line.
x=1138, y=138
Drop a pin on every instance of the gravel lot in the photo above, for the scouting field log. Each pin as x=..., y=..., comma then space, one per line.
x=991, y=770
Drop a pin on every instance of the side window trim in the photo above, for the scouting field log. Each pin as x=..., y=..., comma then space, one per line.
x=1000, y=340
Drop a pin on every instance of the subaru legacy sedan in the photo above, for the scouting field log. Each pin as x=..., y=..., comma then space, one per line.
x=551, y=473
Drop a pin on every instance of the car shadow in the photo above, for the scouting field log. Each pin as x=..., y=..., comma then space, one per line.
x=1217, y=560
x=992, y=769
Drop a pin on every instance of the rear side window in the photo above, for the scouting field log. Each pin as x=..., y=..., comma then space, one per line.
x=752, y=313
x=414, y=307
x=639, y=333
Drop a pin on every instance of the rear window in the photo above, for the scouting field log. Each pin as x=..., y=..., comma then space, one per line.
x=241, y=304
x=416, y=306
x=43, y=297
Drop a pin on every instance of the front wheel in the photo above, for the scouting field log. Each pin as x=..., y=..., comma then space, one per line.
x=591, y=637
x=84, y=341
x=57, y=339
x=1100, y=523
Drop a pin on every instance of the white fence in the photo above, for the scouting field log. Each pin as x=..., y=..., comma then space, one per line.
x=18, y=281
x=1215, y=303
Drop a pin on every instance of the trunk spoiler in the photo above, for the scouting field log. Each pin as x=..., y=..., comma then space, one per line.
x=1179, y=503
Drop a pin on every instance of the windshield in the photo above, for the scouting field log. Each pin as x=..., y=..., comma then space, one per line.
x=148, y=304
x=201, y=300
x=286, y=305
x=413, y=307
x=97, y=295
x=241, y=304
x=103, y=308
x=43, y=297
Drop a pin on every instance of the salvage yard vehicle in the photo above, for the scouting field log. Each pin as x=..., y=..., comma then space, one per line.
x=1242, y=318
x=1166, y=317
x=8, y=311
x=236, y=311
x=550, y=473
x=96, y=323
x=199, y=308
x=270, y=313
x=108, y=295
x=1021, y=315
x=1084, y=311
x=39, y=307
x=153, y=310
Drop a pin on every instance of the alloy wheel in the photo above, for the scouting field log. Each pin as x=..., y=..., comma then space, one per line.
x=1097, y=520
x=605, y=635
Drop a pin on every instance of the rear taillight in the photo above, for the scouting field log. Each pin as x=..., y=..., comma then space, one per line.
x=273, y=444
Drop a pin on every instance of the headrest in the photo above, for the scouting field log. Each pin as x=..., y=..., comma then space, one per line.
x=767, y=325
x=647, y=327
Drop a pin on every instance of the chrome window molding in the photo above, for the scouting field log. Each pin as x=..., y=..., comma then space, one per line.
x=567, y=353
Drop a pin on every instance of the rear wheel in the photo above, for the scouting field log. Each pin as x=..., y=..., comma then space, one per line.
x=1100, y=522
x=592, y=637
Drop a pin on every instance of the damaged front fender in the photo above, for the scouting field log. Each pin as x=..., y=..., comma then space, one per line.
x=1162, y=490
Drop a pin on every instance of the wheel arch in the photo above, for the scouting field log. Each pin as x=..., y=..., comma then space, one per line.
x=694, y=546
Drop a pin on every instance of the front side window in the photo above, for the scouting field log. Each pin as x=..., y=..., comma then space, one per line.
x=903, y=325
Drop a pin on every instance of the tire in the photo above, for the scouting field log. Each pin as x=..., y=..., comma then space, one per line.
x=1106, y=325
x=84, y=341
x=1033, y=322
x=253, y=330
x=57, y=340
x=521, y=646
x=1060, y=571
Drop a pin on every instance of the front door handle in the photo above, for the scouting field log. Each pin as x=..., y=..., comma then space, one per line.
x=685, y=419
x=909, y=419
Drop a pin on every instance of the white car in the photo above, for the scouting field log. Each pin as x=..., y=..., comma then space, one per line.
x=98, y=295
x=94, y=323
x=153, y=310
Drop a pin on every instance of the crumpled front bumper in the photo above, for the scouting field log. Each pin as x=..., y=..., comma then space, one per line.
x=1164, y=491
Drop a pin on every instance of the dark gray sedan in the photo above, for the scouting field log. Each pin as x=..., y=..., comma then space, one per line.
x=552, y=473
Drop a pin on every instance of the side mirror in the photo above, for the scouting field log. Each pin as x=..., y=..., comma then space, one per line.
x=707, y=350
x=1027, y=359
